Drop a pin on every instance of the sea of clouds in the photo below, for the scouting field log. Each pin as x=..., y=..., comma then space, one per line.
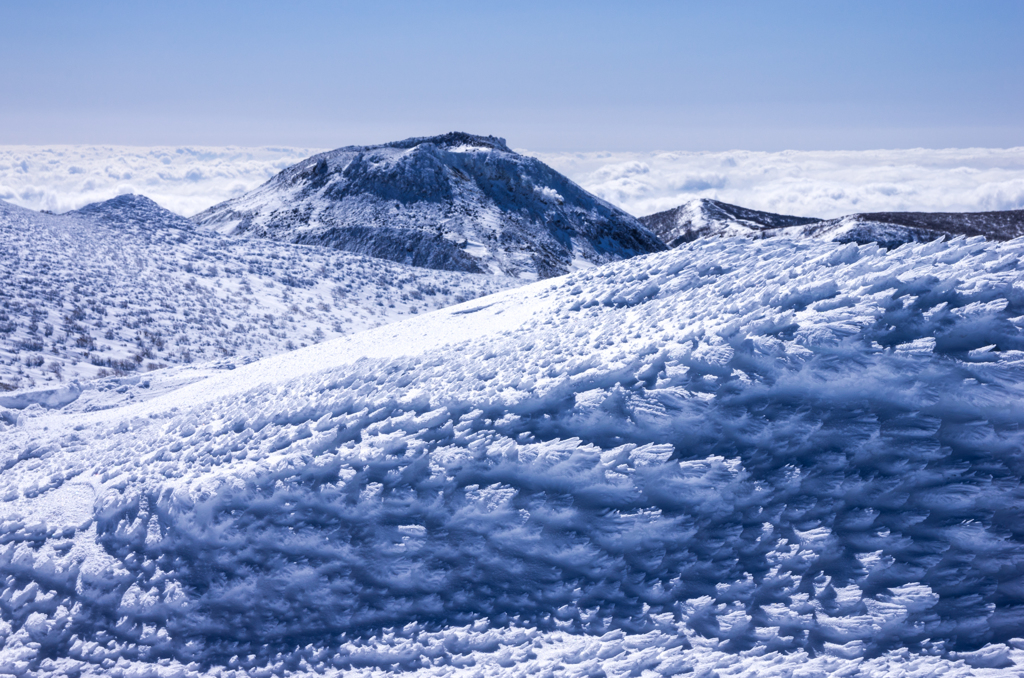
x=824, y=184
x=185, y=179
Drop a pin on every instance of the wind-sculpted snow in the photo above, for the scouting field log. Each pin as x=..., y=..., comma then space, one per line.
x=456, y=202
x=735, y=457
x=125, y=286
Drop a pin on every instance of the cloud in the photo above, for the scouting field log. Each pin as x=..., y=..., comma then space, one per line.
x=805, y=183
x=184, y=179
x=189, y=179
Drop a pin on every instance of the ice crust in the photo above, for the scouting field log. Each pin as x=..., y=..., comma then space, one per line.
x=737, y=457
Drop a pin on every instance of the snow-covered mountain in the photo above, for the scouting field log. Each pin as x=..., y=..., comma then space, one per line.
x=704, y=217
x=124, y=286
x=892, y=229
x=737, y=457
x=135, y=212
x=455, y=202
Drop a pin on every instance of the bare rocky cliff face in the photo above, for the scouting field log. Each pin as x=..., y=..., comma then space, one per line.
x=456, y=202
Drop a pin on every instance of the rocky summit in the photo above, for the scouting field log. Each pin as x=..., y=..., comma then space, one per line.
x=456, y=202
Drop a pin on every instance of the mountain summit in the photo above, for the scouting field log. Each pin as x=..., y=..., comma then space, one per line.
x=703, y=217
x=134, y=210
x=453, y=202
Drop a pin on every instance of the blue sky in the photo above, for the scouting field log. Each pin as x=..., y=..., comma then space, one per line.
x=552, y=76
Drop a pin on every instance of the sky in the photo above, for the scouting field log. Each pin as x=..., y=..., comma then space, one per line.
x=553, y=77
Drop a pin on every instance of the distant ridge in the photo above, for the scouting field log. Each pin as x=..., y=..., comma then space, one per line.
x=703, y=217
x=457, y=201
x=134, y=210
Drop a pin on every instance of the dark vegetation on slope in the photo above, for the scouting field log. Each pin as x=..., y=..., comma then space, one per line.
x=1003, y=225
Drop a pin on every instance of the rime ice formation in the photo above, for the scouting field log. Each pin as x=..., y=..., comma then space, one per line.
x=736, y=457
x=704, y=217
x=456, y=202
x=124, y=286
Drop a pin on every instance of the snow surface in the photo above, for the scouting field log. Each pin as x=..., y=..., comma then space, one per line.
x=125, y=287
x=737, y=457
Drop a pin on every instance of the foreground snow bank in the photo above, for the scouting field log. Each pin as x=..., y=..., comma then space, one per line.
x=734, y=457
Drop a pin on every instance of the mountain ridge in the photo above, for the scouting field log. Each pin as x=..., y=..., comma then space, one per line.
x=703, y=217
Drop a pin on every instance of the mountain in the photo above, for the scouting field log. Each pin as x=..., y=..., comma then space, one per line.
x=892, y=229
x=761, y=458
x=123, y=287
x=704, y=217
x=456, y=202
x=135, y=211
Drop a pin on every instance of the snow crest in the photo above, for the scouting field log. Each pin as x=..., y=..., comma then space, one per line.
x=734, y=456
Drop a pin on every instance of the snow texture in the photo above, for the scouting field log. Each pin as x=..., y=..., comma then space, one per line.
x=701, y=218
x=736, y=457
x=456, y=202
x=125, y=287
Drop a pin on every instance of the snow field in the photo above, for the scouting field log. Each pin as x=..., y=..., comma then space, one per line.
x=125, y=288
x=749, y=458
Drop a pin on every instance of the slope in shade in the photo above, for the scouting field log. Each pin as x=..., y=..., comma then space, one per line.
x=453, y=202
x=734, y=455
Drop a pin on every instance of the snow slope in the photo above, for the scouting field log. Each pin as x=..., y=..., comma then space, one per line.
x=703, y=217
x=456, y=202
x=124, y=286
x=736, y=457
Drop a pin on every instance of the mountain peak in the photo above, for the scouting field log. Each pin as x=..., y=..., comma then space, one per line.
x=458, y=202
x=454, y=140
x=700, y=217
x=135, y=210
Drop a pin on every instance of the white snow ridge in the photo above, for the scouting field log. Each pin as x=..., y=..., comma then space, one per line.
x=737, y=457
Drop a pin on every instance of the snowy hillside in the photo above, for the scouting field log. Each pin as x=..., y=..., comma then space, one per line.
x=125, y=286
x=703, y=217
x=895, y=228
x=736, y=457
x=456, y=202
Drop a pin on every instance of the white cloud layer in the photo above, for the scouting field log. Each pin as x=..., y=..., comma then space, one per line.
x=187, y=180
x=805, y=183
